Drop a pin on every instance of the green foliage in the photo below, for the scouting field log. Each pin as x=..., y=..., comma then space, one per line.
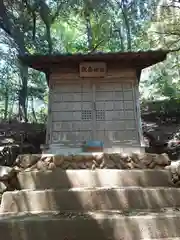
x=62, y=26
x=168, y=107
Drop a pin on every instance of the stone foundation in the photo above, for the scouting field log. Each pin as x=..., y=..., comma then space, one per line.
x=100, y=196
x=49, y=162
x=92, y=161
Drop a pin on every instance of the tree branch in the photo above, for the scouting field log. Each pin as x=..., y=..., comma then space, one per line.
x=96, y=46
x=174, y=42
x=168, y=34
x=56, y=13
x=174, y=50
x=32, y=11
x=4, y=20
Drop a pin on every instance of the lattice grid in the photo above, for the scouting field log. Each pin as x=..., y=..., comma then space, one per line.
x=100, y=115
x=86, y=115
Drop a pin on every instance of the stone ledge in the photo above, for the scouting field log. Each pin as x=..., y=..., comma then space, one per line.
x=66, y=179
x=96, y=199
x=91, y=226
x=175, y=172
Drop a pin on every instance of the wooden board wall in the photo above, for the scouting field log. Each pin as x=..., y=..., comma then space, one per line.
x=113, y=72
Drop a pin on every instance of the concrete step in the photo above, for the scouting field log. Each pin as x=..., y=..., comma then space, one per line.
x=59, y=179
x=90, y=199
x=80, y=226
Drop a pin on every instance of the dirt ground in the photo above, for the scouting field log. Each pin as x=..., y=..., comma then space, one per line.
x=162, y=132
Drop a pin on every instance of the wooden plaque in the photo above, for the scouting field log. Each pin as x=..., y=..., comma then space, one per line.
x=92, y=69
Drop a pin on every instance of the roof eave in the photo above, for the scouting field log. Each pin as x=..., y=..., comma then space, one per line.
x=139, y=60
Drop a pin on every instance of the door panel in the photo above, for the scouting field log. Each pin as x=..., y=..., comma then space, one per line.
x=104, y=106
x=71, y=137
x=115, y=113
x=94, y=111
x=72, y=126
x=72, y=114
x=103, y=96
x=128, y=95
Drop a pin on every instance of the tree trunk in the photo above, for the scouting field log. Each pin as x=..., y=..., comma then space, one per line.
x=127, y=25
x=121, y=40
x=32, y=108
x=6, y=103
x=49, y=40
x=89, y=33
x=23, y=93
x=11, y=109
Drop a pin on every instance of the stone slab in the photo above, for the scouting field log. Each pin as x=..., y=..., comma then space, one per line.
x=6, y=173
x=68, y=150
x=91, y=226
x=3, y=187
x=59, y=179
x=129, y=198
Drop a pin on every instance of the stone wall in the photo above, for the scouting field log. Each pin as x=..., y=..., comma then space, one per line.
x=112, y=161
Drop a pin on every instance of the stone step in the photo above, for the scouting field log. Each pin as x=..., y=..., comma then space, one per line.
x=80, y=226
x=58, y=178
x=90, y=199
